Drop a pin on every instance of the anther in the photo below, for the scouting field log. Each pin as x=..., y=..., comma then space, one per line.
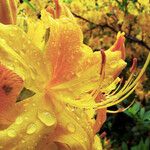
x=134, y=65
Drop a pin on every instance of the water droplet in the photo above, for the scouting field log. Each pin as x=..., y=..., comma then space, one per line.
x=46, y=118
x=31, y=128
x=11, y=133
x=23, y=141
x=78, y=75
x=114, y=64
x=71, y=128
x=34, y=104
x=78, y=118
x=19, y=120
x=26, y=118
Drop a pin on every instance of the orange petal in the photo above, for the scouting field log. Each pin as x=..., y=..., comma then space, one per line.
x=64, y=48
x=100, y=119
x=8, y=11
x=119, y=45
x=10, y=86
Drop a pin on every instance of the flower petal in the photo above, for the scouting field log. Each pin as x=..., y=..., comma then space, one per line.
x=8, y=11
x=10, y=86
x=33, y=124
x=63, y=48
x=21, y=56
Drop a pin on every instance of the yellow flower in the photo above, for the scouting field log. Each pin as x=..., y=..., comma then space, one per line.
x=71, y=83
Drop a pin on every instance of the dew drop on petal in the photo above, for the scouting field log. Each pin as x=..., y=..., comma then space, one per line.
x=31, y=128
x=46, y=118
x=19, y=120
x=114, y=64
x=23, y=141
x=71, y=127
x=11, y=133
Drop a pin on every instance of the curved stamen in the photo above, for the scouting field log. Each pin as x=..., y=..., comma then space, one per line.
x=134, y=64
x=121, y=109
x=110, y=100
x=117, y=88
x=102, y=69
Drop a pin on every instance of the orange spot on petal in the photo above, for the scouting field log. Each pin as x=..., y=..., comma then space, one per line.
x=10, y=86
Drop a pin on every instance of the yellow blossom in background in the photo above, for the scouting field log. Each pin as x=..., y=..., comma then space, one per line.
x=71, y=83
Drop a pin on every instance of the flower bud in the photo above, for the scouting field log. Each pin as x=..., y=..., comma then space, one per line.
x=8, y=11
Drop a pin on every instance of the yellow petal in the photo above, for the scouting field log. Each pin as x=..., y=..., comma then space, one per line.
x=33, y=124
x=24, y=58
x=8, y=11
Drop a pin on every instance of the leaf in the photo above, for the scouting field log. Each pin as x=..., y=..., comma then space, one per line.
x=141, y=145
x=147, y=115
x=147, y=144
x=135, y=108
x=141, y=113
x=25, y=93
x=124, y=146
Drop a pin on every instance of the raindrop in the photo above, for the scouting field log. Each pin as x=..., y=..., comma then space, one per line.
x=23, y=141
x=19, y=120
x=11, y=133
x=113, y=65
x=26, y=118
x=33, y=104
x=71, y=128
x=31, y=128
x=46, y=118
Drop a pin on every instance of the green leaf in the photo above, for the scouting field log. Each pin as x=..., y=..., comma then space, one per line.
x=25, y=93
x=124, y=146
x=135, y=108
x=147, y=115
x=147, y=144
x=141, y=113
x=141, y=145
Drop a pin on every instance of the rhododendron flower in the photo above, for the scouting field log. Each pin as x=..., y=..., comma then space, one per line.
x=71, y=84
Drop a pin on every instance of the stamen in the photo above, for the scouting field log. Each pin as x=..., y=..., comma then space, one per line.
x=121, y=109
x=58, y=8
x=102, y=70
x=110, y=100
x=118, y=87
x=51, y=11
x=103, y=135
x=134, y=64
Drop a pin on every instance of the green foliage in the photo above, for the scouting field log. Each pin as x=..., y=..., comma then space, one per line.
x=138, y=113
x=129, y=129
x=140, y=146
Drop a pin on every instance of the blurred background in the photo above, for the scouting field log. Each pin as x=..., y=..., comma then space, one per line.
x=100, y=21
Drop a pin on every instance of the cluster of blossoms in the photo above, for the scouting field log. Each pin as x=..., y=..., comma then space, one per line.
x=72, y=84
